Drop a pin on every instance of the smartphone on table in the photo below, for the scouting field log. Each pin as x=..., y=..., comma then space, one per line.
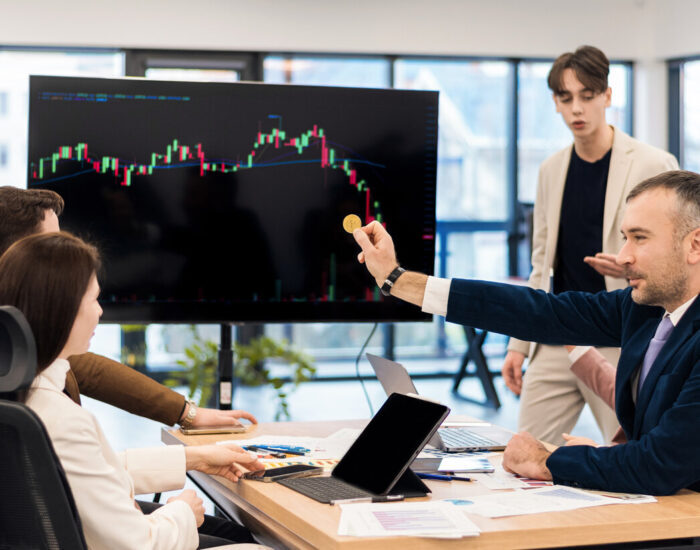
x=208, y=430
x=275, y=474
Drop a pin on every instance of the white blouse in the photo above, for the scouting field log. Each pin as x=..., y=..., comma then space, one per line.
x=104, y=483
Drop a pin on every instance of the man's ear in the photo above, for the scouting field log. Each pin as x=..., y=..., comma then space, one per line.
x=608, y=97
x=694, y=252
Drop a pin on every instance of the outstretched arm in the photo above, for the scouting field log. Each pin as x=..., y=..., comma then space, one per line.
x=125, y=388
x=379, y=256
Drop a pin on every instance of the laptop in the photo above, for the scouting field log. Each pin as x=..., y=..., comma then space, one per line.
x=376, y=467
x=395, y=379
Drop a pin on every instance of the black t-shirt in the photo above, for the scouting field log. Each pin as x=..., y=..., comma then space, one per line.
x=581, y=225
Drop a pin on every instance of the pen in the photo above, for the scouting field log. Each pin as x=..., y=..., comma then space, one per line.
x=441, y=477
x=351, y=500
x=381, y=498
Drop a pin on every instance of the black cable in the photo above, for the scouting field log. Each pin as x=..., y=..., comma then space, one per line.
x=357, y=368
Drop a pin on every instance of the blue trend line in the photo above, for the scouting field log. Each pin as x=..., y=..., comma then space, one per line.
x=65, y=177
x=217, y=162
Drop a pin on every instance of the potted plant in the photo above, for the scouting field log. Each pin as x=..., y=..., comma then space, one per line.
x=133, y=349
x=250, y=368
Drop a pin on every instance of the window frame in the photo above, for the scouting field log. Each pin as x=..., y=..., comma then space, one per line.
x=676, y=98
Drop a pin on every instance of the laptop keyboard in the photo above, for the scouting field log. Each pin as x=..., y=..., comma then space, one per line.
x=454, y=437
x=324, y=489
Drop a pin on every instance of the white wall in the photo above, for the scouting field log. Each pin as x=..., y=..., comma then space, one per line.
x=496, y=27
x=647, y=31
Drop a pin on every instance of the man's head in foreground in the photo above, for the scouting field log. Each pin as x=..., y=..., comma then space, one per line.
x=24, y=212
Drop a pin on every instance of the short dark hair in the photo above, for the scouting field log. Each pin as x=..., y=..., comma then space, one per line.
x=590, y=65
x=686, y=185
x=22, y=210
x=45, y=276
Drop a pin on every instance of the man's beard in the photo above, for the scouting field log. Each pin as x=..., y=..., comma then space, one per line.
x=669, y=289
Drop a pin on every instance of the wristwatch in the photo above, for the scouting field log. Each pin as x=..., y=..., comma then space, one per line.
x=391, y=279
x=191, y=414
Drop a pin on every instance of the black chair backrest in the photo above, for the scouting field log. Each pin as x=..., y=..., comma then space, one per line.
x=37, y=510
x=17, y=351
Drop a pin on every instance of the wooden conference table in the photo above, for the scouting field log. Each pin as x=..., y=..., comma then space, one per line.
x=286, y=519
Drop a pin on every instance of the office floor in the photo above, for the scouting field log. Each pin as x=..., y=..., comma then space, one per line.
x=334, y=400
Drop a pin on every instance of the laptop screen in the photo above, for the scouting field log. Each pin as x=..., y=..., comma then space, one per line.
x=388, y=444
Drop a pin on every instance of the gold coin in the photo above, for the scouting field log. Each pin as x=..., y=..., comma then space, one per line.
x=351, y=222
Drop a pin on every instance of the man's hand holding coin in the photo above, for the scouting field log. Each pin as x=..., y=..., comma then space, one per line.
x=378, y=252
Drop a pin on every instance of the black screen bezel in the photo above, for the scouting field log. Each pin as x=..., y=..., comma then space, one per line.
x=387, y=310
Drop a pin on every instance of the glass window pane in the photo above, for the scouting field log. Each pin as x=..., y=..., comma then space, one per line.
x=107, y=341
x=542, y=130
x=415, y=339
x=618, y=112
x=472, y=133
x=327, y=71
x=478, y=255
x=691, y=116
x=324, y=340
x=200, y=75
x=15, y=68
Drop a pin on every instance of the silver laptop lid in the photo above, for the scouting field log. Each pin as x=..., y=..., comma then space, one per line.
x=394, y=378
x=392, y=375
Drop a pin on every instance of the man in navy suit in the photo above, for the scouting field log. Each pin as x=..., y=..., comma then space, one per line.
x=656, y=322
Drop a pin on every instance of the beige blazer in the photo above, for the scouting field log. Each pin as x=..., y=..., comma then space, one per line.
x=104, y=483
x=631, y=162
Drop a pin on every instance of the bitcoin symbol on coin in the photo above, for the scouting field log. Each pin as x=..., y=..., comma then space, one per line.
x=351, y=222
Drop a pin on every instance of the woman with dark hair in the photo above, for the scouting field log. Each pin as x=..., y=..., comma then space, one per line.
x=52, y=279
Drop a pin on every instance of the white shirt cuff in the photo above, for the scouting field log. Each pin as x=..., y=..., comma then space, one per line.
x=437, y=293
x=578, y=352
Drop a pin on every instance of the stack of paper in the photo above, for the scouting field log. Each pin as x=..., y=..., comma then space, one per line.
x=534, y=501
x=499, y=479
x=471, y=464
x=434, y=519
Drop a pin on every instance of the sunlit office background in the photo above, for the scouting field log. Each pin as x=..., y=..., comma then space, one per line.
x=497, y=120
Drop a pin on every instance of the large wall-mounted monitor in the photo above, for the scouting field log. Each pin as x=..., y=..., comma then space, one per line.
x=215, y=202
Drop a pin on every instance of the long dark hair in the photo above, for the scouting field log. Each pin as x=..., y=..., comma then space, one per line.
x=45, y=276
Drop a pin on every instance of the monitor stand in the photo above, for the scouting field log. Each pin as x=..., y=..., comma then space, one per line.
x=225, y=384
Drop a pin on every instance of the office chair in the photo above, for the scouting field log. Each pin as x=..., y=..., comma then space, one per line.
x=36, y=505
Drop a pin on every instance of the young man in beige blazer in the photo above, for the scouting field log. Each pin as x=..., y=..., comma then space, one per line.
x=578, y=209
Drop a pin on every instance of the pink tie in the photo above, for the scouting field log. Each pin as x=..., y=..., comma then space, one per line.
x=657, y=342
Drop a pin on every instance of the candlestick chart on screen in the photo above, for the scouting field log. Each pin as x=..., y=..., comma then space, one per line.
x=225, y=202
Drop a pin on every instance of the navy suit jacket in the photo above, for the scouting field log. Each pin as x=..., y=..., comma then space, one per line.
x=663, y=429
